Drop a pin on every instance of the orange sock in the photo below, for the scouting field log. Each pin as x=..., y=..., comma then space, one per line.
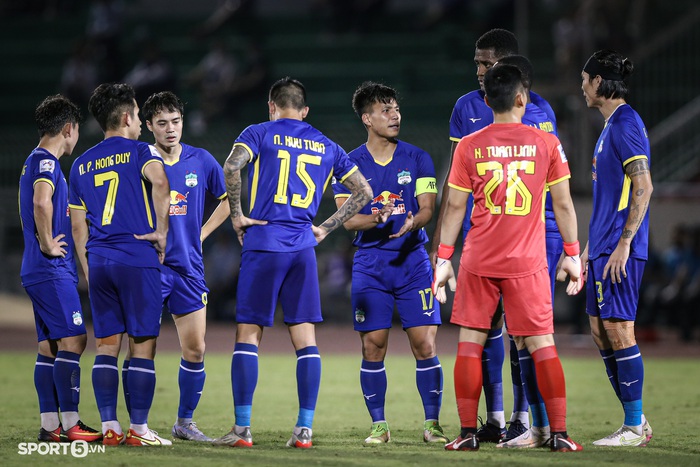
x=468, y=379
x=550, y=382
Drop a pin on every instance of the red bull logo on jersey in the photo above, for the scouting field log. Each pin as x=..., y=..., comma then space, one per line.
x=178, y=203
x=386, y=197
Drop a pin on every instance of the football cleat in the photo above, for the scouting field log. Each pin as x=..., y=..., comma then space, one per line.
x=648, y=433
x=150, y=438
x=82, y=432
x=190, y=432
x=533, y=437
x=240, y=439
x=490, y=433
x=55, y=436
x=560, y=443
x=379, y=434
x=112, y=438
x=301, y=438
x=515, y=429
x=433, y=433
x=468, y=443
x=624, y=436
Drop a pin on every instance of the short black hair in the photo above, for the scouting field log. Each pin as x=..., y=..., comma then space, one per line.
x=162, y=101
x=501, y=84
x=288, y=92
x=53, y=113
x=109, y=101
x=523, y=65
x=502, y=41
x=617, y=63
x=368, y=93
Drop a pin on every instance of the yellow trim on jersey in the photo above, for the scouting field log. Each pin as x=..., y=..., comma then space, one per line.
x=426, y=185
x=254, y=184
x=171, y=163
x=53, y=188
x=625, y=195
x=223, y=196
x=245, y=146
x=145, y=201
x=143, y=174
x=383, y=164
x=455, y=140
x=558, y=180
x=350, y=172
x=81, y=207
x=342, y=195
x=633, y=158
x=325, y=185
x=459, y=188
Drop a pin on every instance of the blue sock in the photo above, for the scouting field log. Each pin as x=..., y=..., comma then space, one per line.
x=429, y=382
x=244, y=378
x=142, y=386
x=66, y=377
x=611, y=369
x=373, y=383
x=191, y=380
x=43, y=382
x=105, y=382
x=492, y=369
x=519, y=398
x=630, y=373
x=308, y=382
x=125, y=385
x=534, y=398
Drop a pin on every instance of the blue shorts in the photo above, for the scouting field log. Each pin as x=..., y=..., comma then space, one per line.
x=269, y=276
x=555, y=245
x=382, y=278
x=124, y=298
x=57, y=311
x=613, y=301
x=182, y=294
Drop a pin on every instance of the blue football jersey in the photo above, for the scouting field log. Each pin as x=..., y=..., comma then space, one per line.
x=291, y=164
x=191, y=177
x=409, y=173
x=471, y=114
x=623, y=140
x=107, y=182
x=42, y=166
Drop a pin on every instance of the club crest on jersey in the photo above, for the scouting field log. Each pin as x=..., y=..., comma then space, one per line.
x=191, y=179
x=600, y=147
x=360, y=315
x=77, y=318
x=47, y=165
x=404, y=177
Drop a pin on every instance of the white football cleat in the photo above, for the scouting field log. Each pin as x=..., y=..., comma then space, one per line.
x=534, y=437
x=624, y=436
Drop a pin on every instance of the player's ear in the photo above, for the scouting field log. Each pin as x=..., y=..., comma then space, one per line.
x=149, y=126
x=304, y=112
x=67, y=130
x=271, y=108
x=486, y=100
x=366, y=120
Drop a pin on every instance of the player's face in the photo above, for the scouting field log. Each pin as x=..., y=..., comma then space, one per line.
x=167, y=128
x=135, y=128
x=385, y=119
x=72, y=140
x=484, y=60
x=589, y=89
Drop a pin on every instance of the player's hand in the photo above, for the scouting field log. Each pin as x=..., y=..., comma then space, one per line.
x=444, y=274
x=560, y=275
x=383, y=215
x=55, y=248
x=241, y=224
x=571, y=266
x=617, y=264
x=158, y=240
x=319, y=232
x=406, y=227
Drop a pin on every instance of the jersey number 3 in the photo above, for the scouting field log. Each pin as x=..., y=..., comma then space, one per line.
x=283, y=180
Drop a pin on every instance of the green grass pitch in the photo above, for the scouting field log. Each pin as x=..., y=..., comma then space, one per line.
x=672, y=404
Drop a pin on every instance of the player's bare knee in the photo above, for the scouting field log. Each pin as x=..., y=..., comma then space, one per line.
x=74, y=344
x=424, y=350
x=194, y=353
x=620, y=334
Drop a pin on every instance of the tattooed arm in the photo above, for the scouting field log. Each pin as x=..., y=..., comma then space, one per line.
x=238, y=159
x=361, y=194
x=640, y=175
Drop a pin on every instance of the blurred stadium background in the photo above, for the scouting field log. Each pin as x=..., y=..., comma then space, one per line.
x=221, y=56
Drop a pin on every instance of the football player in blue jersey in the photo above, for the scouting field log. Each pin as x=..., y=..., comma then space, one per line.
x=192, y=173
x=618, y=237
x=119, y=200
x=291, y=163
x=471, y=114
x=391, y=266
x=49, y=274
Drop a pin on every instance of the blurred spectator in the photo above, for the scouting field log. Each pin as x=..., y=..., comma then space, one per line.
x=79, y=76
x=104, y=29
x=239, y=13
x=349, y=16
x=152, y=73
x=222, y=261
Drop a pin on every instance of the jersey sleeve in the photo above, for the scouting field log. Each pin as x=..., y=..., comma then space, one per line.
x=459, y=174
x=45, y=170
x=147, y=154
x=425, y=178
x=558, y=164
x=74, y=198
x=216, y=185
x=343, y=167
x=629, y=145
x=456, y=123
x=251, y=139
